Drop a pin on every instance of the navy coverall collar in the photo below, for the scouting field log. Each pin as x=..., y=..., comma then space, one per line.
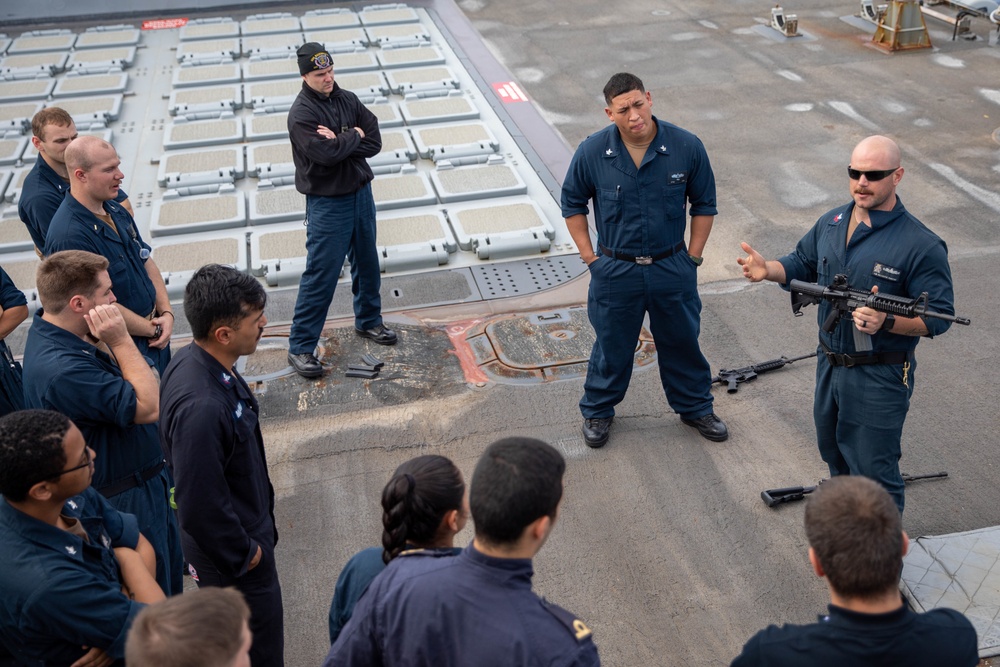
x=224, y=376
x=41, y=534
x=846, y=618
x=615, y=146
x=878, y=219
x=83, y=213
x=511, y=571
x=63, y=337
x=50, y=176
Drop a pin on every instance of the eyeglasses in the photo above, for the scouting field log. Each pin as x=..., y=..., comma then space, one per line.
x=872, y=176
x=87, y=462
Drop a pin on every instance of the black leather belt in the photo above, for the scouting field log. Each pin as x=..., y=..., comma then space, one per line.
x=134, y=481
x=849, y=360
x=648, y=259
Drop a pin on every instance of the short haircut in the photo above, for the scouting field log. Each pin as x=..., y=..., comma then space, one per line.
x=66, y=273
x=218, y=296
x=622, y=83
x=420, y=493
x=199, y=628
x=80, y=152
x=516, y=481
x=31, y=450
x=49, y=116
x=856, y=531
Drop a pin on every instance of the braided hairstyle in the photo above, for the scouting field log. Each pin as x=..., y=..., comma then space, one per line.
x=414, y=502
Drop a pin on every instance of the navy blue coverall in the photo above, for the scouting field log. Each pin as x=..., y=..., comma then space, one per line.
x=642, y=212
x=859, y=411
x=431, y=609
x=75, y=228
x=212, y=440
x=42, y=192
x=64, y=373
x=61, y=592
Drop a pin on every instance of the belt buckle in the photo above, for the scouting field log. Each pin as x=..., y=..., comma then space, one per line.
x=644, y=261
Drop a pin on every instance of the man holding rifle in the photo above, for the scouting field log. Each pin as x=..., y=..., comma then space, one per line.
x=862, y=397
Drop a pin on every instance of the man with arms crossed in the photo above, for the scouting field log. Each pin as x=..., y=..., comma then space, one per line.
x=332, y=133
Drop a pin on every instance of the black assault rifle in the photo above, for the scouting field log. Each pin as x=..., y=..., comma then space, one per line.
x=774, y=497
x=748, y=373
x=845, y=300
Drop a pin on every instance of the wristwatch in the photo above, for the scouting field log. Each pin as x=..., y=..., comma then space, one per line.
x=889, y=322
x=697, y=260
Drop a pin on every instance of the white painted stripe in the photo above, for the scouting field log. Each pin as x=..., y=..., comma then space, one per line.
x=516, y=92
x=991, y=199
x=848, y=110
x=791, y=76
x=991, y=95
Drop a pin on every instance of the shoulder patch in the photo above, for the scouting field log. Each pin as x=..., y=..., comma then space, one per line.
x=577, y=627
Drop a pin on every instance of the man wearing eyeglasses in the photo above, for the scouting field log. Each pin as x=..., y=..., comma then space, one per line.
x=75, y=570
x=862, y=397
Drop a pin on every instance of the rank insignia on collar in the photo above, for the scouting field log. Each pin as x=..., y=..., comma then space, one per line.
x=71, y=550
x=663, y=148
x=609, y=151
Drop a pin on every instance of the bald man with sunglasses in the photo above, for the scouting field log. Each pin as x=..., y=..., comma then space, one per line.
x=861, y=397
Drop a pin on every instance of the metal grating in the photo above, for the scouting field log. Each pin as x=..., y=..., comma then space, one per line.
x=216, y=48
x=276, y=92
x=18, y=116
x=267, y=126
x=203, y=133
x=70, y=86
x=278, y=245
x=204, y=75
x=101, y=37
x=285, y=42
x=277, y=205
x=209, y=28
x=198, y=213
x=192, y=255
x=117, y=57
x=477, y=182
x=409, y=229
x=16, y=91
x=334, y=39
x=199, y=161
x=387, y=113
x=279, y=152
x=437, y=109
x=327, y=18
x=12, y=149
x=399, y=190
x=505, y=279
x=385, y=14
x=410, y=56
x=414, y=79
x=88, y=111
x=272, y=68
x=407, y=32
x=42, y=63
x=433, y=140
x=29, y=43
x=14, y=236
x=266, y=24
x=186, y=101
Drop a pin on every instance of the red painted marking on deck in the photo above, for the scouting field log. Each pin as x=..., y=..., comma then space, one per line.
x=461, y=349
x=164, y=24
x=510, y=92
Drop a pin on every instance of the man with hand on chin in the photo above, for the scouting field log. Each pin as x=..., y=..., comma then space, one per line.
x=80, y=360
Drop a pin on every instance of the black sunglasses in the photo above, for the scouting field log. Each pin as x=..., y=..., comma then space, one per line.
x=872, y=176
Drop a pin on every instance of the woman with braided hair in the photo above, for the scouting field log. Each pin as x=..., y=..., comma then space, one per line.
x=424, y=506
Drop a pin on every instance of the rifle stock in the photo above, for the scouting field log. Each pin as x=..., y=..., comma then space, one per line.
x=775, y=497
